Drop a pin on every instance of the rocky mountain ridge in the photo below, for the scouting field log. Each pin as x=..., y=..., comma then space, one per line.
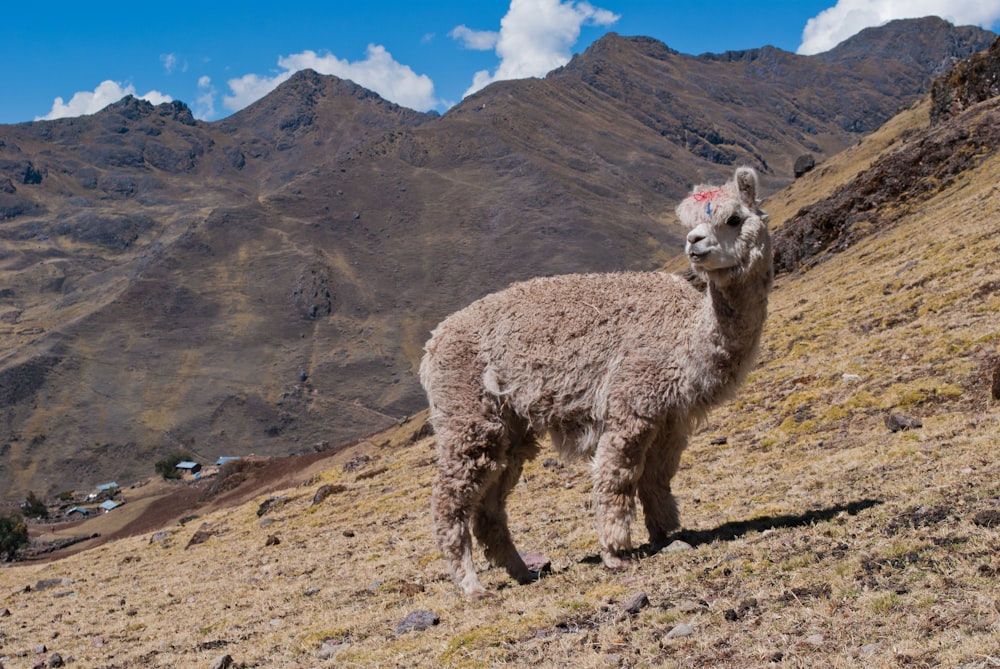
x=264, y=283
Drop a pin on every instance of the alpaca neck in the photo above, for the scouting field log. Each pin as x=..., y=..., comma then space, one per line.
x=734, y=314
x=729, y=329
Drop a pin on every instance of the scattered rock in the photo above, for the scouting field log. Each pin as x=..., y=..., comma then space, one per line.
x=325, y=491
x=199, y=537
x=224, y=662
x=719, y=441
x=900, y=421
x=987, y=518
x=804, y=164
x=633, y=605
x=676, y=546
x=679, y=631
x=348, y=533
x=357, y=462
x=691, y=606
x=551, y=462
x=747, y=605
x=537, y=562
x=47, y=583
x=270, y=504
x=272, y=540
x=56, y=660
x=97, y=642
x=5, y=612
x=417, y=621
x=157, y=537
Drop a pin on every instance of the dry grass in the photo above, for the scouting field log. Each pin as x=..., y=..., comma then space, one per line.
x=820, y=537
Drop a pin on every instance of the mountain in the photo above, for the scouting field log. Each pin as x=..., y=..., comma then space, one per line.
x=815, y=531
x=264, y=284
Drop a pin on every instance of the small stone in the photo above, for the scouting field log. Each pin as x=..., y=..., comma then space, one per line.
x=814, y=639
x=158, y=537
x=224, y=662
x=850, y=378
x=719, y=441
x=537, y=562
x=97, y=642
x=311, y=591
x=4, y=612
x=272, y=540
x=417, y=621
x=900, y=421
x=681, y=630
x=633, y=605
x=199, y=537
x=731, y=615
x=691, y=606
x=325, y=491
x=41, y=650
x=56, y=660
x=777, y=656
x=677, y=546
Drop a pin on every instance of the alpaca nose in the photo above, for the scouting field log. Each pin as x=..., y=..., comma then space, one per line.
x=694, y=237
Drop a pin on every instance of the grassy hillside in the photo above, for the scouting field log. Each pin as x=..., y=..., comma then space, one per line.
x=819, y=537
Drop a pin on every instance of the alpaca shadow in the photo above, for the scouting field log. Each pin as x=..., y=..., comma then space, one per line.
x=734, y=530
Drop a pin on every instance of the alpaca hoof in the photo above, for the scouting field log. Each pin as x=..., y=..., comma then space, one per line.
x=526, y=578
x=615, y=562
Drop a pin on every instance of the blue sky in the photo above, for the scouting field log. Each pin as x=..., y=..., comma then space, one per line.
x=72, y=58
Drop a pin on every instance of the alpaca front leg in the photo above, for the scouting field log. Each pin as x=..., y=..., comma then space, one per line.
x=658, y=503
x=618, y=465
x=489, y=525
x=452, y=505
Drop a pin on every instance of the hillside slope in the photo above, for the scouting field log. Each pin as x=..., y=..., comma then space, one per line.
x=264, y=284
x=818, y=535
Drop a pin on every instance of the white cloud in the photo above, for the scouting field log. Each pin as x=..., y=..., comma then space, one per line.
x=536, y=37
x=378, y=72
x=849, y=17
x=204, y=108
x=169, y=61
x=478, y=40
x=91, y=102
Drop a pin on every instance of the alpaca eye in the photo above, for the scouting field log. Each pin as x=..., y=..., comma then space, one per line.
x=733, y=221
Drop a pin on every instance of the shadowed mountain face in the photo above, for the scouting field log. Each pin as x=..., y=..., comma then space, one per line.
x=264, y=284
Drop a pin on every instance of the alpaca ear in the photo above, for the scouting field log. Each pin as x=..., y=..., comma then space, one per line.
x=746, y=184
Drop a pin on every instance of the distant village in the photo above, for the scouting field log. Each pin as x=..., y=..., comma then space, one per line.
x=106, y=497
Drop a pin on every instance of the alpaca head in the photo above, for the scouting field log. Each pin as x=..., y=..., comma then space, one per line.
x=728, y=234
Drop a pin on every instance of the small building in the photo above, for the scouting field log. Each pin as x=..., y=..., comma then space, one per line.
x=78, y=510
x=109, y=504
x=188, y=467
x=105, y=487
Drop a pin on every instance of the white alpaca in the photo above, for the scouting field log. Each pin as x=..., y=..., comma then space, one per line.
x=618, y=367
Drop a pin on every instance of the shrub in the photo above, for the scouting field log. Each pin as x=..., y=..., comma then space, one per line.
x=13, y=535
x=167, y=467
x=33, y=507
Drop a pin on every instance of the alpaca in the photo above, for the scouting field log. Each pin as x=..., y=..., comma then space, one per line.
x=618, y=367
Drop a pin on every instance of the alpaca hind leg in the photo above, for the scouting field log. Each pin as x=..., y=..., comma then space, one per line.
x=658, y=503
x=467, y=468
x=618, y=465
x=489, y=524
